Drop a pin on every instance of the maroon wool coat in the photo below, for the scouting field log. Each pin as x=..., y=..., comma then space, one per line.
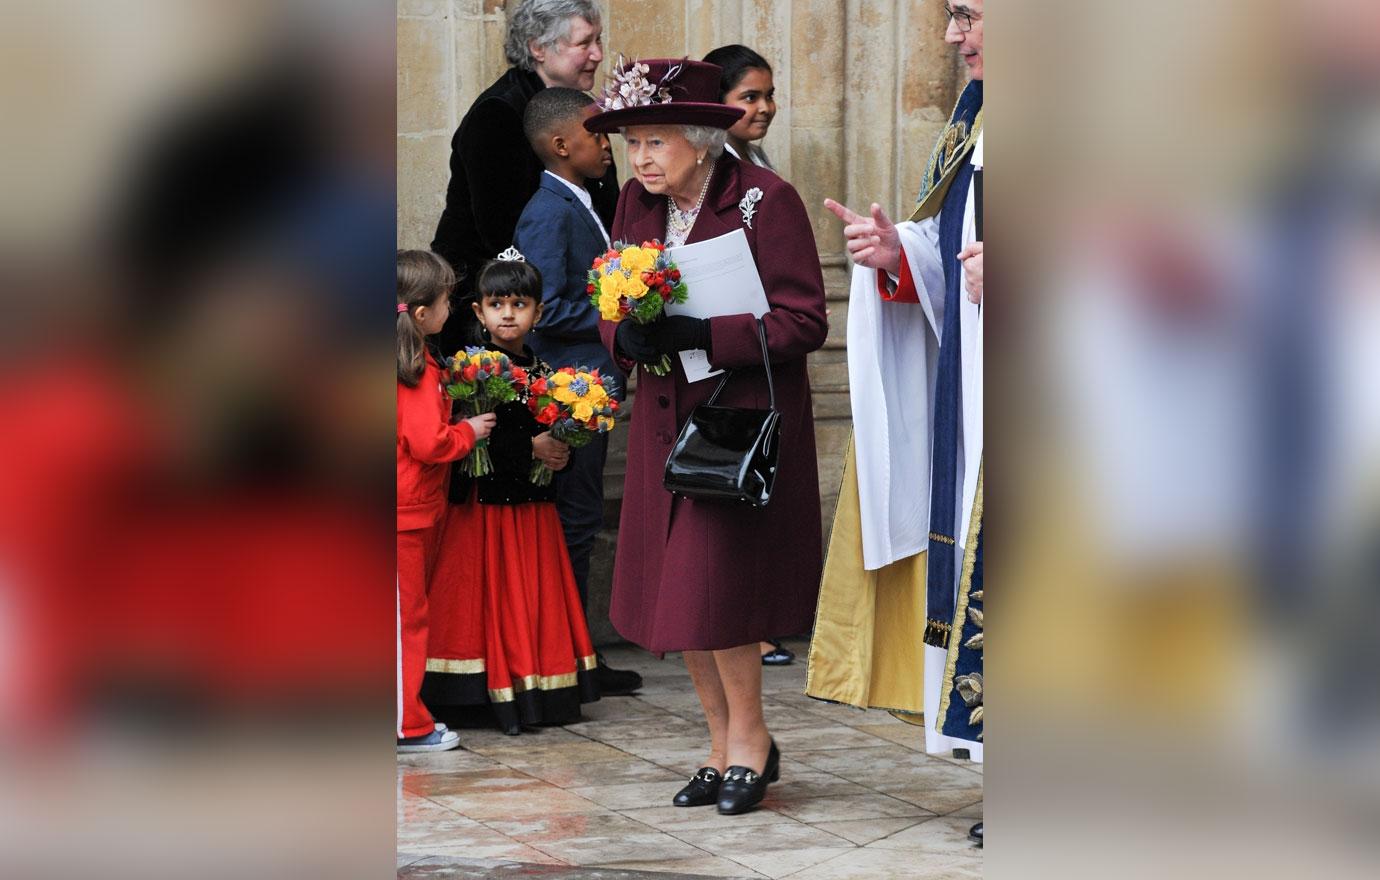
x=694, y=575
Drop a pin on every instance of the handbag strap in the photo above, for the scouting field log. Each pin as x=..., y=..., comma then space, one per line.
x=766, y=365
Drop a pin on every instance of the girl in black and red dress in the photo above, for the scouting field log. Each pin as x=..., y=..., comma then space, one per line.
x=507, y=628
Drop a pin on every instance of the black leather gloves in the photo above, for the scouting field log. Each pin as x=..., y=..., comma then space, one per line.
x=635, y=342
x=669, y=334
x=675, y=333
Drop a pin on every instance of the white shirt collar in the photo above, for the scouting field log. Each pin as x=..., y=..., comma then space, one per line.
x=580, y=192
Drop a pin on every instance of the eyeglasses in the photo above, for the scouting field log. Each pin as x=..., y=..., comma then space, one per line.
x=963, y=19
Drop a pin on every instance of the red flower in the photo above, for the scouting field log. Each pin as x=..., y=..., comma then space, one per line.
x=624, y=306
x=519, y=375
x=549, y=414
x=470, y=371
x=589, y=288
x=568, y=370
x=538, y=386
x=674, y=274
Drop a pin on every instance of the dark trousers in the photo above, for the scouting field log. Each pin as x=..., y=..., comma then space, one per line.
x=580, y=504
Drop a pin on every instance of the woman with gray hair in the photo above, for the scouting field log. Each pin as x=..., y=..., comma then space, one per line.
x=713, y=579
x=494, y=171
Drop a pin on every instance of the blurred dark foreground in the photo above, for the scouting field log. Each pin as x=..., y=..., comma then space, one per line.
x=196, y=627
x=1184, y=416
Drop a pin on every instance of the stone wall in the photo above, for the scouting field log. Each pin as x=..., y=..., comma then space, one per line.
x=863, y=87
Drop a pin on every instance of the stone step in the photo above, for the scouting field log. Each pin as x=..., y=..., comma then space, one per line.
x=828, y=371
x=832, y=405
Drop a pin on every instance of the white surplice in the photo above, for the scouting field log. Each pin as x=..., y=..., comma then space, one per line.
x=893, y=351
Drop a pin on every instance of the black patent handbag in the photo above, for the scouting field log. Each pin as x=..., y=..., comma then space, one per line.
x=728, y=453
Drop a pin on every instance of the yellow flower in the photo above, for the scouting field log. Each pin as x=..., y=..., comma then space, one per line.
x=608, y=305
x=564, y=394
x=634, y=287
x=582, y=411
x=596, y=395
x=636, y=260
x=614, y=283
x=605, y=423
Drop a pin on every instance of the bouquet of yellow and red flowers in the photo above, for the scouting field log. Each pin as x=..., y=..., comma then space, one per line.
x=635, y=282
x=480, y=380
x=576, y=405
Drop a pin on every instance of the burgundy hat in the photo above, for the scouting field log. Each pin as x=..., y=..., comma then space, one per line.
x=663, y=91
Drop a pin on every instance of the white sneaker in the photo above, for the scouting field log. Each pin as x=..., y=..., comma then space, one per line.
x=437, y=741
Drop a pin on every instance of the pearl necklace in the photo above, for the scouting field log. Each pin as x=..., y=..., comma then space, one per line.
x=678, y=222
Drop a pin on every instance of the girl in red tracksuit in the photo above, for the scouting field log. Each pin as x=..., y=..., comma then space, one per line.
x=427, y=444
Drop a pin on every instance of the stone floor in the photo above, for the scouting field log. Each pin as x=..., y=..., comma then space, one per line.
x=858, y=797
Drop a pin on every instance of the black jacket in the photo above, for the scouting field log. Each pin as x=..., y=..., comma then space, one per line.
x=510, y=450
x=493, y=174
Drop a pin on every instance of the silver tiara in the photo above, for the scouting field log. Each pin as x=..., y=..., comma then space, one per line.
x=511, y=255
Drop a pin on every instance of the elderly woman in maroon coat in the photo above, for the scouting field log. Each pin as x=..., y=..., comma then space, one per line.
x=713, y=579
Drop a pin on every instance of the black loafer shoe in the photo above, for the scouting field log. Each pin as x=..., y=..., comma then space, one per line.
x=702, y=790
x=778, y=656
x=615, y=682
x=744, y=788
x=975, y=834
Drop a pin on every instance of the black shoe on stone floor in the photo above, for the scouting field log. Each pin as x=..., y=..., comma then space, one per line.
x=777, y=656
x=615, y=682
x=744, y=788
x=702, y=790
x=975, y=834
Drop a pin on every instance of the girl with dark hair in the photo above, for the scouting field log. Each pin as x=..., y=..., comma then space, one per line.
x=746, y=82
x=427, y=444
x=508, y=631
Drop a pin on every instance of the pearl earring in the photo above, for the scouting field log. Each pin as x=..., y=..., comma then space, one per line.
x=699, y=161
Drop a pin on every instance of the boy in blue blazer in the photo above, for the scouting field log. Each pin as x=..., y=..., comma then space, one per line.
x=560, y=233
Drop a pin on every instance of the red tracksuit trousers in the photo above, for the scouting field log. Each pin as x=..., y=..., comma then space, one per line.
x=416, y=557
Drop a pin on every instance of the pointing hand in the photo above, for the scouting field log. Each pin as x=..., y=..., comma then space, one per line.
x=872, y=241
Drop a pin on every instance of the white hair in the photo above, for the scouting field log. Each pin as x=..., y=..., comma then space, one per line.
x=701, y=137
x=545, y=21
x=706, y=137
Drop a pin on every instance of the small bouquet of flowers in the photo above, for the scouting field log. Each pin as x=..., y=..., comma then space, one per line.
x=575, y=404
x=635, y=282
x=480, y=380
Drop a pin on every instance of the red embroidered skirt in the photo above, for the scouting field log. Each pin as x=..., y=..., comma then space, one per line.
x=505, y=622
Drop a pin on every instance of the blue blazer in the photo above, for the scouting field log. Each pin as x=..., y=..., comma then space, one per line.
x=560, y=237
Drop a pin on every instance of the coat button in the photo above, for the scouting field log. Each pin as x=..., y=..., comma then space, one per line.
x=664, y=401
